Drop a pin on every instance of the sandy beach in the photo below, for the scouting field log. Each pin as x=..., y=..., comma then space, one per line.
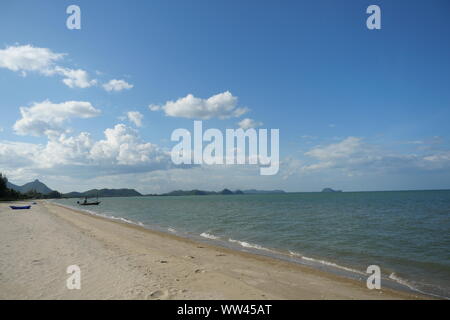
x=123, y=261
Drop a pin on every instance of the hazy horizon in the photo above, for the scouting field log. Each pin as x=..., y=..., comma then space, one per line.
x=242, y=189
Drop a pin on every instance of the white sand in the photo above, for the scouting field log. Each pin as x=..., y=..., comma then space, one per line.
x=121, y=261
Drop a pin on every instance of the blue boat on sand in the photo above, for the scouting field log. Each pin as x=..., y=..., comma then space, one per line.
x=20, y=207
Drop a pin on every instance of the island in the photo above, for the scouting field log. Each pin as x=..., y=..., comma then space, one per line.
x=330, y=190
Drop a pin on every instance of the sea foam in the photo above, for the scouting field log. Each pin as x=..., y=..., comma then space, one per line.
x=249, y=245
x=209, y=236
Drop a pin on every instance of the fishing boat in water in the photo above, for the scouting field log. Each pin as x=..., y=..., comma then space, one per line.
x=85, y=202
x=94, y=203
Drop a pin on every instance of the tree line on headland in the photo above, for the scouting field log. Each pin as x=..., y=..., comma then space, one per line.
x=8, y=193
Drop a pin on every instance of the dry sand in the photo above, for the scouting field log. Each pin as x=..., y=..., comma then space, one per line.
x=122, y=261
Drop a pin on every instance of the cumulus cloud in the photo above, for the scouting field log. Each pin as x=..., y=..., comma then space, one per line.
x=135, y=117
x=117, y=85
x=75, y=78
x=65, y=150
x=27, y=58
x=222, y=106
x=122, y=146
x=353, y=155
x=46, y=117
x=120, y=151
x=248, y=123
x=16, y=155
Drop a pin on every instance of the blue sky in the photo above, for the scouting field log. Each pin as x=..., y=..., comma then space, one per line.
x=357, y=109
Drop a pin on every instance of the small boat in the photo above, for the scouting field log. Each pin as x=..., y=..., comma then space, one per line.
x=95, y=203
x=20, y=207
x=87, y=203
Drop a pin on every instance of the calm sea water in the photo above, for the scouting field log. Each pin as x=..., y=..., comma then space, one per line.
x=407, y=234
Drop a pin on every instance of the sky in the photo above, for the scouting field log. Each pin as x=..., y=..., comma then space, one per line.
x=356, y=109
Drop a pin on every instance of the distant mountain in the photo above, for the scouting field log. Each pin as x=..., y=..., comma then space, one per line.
x=73, y=194
x=194, y=192
x=12, y=186
x=197, y=192
x=226, y=192
x=254, y=191
x=39, y=187
x=330, y=190
x=36, y=185
x=103, y=193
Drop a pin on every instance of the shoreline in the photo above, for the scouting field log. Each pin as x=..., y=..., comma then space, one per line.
x=159, y=265
x=237, y=246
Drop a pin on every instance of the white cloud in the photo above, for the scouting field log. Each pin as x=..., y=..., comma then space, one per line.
x=248, y=123
x=117, y=85
x=121, y=151
x=46, y=117
x=350, y=155
x=16, y=155
x=438, y=160
x=154, y=107
x=122, y=146
x=353, y=156
x=343, y=149
x=222, y=106
x=65, y=150
x=135, y=117
x=28, y=58
x=75, y=78
x=431, y=143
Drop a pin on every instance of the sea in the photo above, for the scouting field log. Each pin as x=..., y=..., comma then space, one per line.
x=405, y=233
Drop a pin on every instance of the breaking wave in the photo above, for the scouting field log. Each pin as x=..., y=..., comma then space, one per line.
x=209, y=236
